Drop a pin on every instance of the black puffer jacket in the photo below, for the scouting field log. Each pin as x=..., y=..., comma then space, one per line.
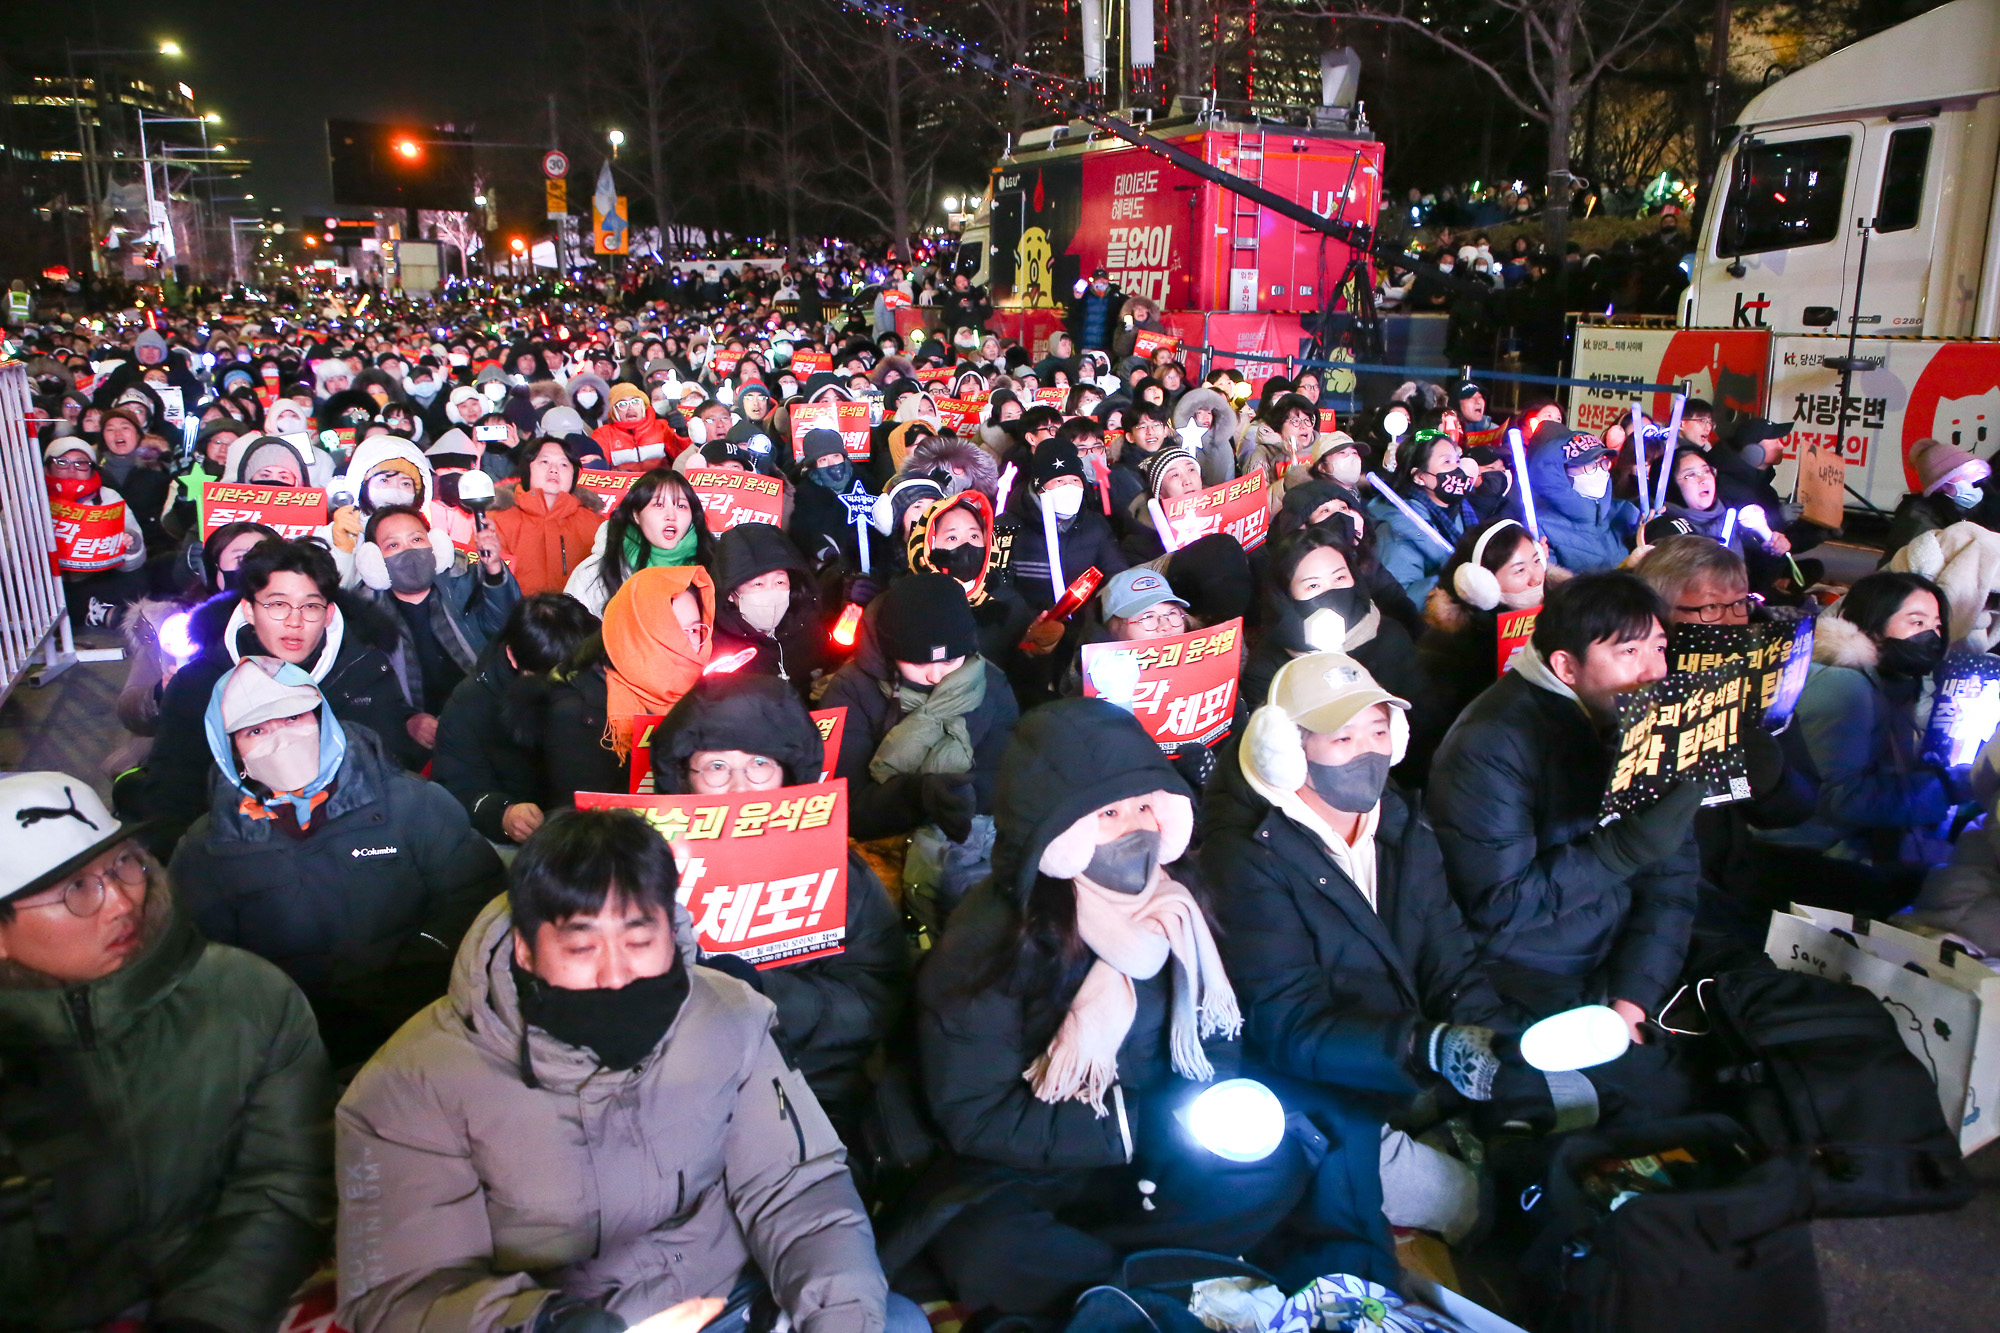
x=480, y=758
x=832, y=1011
x=1085, y=543
x=884, y=808
x=365, y=912
x=562, y=718
x=990, y=1001
x=1515, y=795
x=794, y=650
x=1333, y=990
x=363, y=685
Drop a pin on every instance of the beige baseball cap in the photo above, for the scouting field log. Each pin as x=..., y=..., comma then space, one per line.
x=1323, y=692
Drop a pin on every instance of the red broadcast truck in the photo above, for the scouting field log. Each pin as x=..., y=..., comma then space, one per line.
x=1234, y=274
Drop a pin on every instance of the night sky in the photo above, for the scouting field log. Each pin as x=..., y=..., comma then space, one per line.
x=275, y=71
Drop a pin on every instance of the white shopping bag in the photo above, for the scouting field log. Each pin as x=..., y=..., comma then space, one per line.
x=1945, y=1002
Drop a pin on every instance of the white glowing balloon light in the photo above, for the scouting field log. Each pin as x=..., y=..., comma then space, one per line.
x=1593, y=1034
x=1239, y=1120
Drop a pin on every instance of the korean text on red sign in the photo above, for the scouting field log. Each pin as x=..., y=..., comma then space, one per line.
x=293, y=511
x=850, y=420
x=729, y=498
x=88, y=537
x=763, y=873
x=1240, y=508
x=1187, y=684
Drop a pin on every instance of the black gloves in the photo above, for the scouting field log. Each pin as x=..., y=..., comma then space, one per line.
x=949, y=802
x=1195, y=763
x=1651, y=835
x=733, y=965
x=565, y=1316
x=1764, y=758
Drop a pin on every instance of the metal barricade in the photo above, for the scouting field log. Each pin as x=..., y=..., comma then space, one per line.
x=33, y=615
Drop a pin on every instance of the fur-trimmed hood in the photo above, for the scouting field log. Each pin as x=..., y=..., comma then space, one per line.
x=971, y=466
x=1842, y=643
x=1964, y=561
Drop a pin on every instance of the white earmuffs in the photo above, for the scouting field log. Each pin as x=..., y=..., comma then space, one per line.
x=1474, y=583
x=1274, y=746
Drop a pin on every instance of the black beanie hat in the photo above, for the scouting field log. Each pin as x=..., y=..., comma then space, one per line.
x=925, y=618
x=1055, y=457
x=819, y=442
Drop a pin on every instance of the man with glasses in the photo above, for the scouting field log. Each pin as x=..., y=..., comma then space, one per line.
x=163, y=1100
x=287, y=605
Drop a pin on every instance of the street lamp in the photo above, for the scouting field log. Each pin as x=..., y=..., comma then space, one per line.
x=951, y=203
x=479, y=200
x=617, y=138
x=170, y=48
x=86, y=142
x=213, y=118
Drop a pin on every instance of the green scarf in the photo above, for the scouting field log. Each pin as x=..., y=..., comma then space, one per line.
x=642, y=554
x=932, y=737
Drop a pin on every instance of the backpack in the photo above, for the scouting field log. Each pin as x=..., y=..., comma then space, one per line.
x=1735, y=1253
x=1815, y=1070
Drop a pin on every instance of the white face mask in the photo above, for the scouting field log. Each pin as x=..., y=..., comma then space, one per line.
x=1522, y=600
x=763, y=608
x=1592, y=485
x=1346, y=467
x=1066, y=501
x=286, y=759
x=586, y=397
x=1964, y=494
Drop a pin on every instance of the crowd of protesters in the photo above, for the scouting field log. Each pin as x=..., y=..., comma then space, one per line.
x=344, y=857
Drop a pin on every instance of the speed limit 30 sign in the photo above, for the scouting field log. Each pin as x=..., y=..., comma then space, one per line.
x=555, y=165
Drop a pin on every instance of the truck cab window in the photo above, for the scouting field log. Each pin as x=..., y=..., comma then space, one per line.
x=1902, y=199
x=1784, y=195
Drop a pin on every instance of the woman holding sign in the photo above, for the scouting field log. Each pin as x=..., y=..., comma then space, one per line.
x=1495, y=570
x=99, y=545
x=659, y=522
x=737, y=733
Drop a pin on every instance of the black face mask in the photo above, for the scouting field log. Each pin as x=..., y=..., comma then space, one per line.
x=961, y=562
x=1354, y=786
x=1125, y=865
x=1914, y=657
x=835, y=478
x=231, y=580
x=621, y=1026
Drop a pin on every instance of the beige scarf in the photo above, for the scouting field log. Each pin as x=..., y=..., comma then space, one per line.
x=1133, y=935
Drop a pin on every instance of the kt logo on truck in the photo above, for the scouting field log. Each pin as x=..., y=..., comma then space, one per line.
x=1750, y=314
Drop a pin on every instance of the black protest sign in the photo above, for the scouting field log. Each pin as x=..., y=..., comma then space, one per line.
x=1965, y=710
x=1774, y=656
x=1686, y=728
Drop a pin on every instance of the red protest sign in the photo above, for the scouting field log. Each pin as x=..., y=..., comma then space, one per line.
x=1515, y=629
x=294, y=511
x=1145, y=342
x=1187, y=684
x=607, y=486
x=807, y=361
x=723, y=362
x=849, y=419
x=895, y=298
x=1328, y=423
x=934, y=374
x=729, y=498
x=1053, y=395
x=1239, y=508
x=88, y=537
x=959, y=415
x=832, y=723
x=763, y=874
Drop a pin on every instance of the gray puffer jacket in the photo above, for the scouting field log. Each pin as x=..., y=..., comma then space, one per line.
x=485, y=1172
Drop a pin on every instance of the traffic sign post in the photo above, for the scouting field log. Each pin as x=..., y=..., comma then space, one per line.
x=555, y=165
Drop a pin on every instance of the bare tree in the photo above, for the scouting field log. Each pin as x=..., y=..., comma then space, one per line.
x=1191, y=45
x=454, y=229
x=642, y=80
x=1565, y=46
x=887, y=103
